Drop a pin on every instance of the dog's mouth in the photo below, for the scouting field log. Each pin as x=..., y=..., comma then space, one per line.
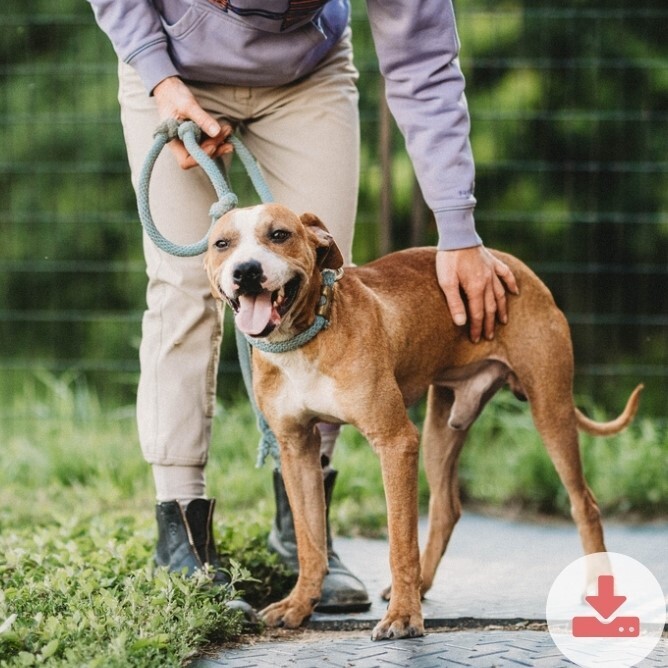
x=259, y=313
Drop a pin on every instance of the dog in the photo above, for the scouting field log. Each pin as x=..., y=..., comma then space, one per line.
x=389, y=339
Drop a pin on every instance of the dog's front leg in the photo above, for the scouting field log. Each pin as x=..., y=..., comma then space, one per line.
x=399, y=463
x=302, y=473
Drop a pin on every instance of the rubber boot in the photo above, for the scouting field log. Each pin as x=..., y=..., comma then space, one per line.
x=186, y=544
x=341, y=590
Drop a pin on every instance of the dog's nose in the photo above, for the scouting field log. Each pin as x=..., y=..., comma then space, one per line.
x=248, y=274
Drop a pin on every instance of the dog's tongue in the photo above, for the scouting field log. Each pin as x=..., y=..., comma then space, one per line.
x=254, y=314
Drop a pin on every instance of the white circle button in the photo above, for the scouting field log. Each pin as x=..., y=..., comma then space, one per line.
x=606, y=610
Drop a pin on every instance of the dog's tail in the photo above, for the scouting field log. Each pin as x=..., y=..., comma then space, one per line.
x=616, y=425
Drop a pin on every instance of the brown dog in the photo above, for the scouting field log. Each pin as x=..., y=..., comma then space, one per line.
x=390, y=339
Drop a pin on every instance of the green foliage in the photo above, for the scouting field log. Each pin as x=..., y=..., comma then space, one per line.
x=505, y=463
x=77, y=531
x=77, y=536
x=628, y=471
x=81, y=593
x=245, y=543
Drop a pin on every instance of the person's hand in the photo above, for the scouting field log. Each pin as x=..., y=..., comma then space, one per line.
x=482, y=279
x=175, y=100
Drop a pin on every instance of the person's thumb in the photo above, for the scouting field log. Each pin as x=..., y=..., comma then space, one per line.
x=207, y=123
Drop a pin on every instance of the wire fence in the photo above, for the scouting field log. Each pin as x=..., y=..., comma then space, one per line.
x=569, y=108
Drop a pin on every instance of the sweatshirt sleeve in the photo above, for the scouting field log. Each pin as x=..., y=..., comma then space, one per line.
x=418, y=47
x=135, y=30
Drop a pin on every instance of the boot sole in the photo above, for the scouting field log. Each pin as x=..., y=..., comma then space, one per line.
x=341, y=608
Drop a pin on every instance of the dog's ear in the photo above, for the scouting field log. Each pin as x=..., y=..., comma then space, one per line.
x=327, y=252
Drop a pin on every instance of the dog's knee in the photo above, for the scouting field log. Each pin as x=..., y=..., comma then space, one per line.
x=401, y=441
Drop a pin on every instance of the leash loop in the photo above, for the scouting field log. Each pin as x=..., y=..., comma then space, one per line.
x=190, y=134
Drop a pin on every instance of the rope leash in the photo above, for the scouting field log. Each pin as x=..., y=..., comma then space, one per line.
x=190, y=134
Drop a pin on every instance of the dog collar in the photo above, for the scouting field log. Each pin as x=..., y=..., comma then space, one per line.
x=323, y=311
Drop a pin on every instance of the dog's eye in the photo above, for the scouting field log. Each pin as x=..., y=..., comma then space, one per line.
x=279, y=236
x=221, y=244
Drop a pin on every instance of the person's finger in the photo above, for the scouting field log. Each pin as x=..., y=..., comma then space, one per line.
x=499, y=293
x=183, y=158
x=450, y=284
x=208, y=123
x=489, y=317
x=223, y=149
x=225, y=131
x=476, y=304
x=175, y=100
x=504, y=272
x=215, y=147
x=455, y=303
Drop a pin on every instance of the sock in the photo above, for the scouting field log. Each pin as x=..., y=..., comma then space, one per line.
x=180, y=483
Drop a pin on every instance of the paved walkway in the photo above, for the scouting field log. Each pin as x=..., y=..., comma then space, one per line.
x=487, y=606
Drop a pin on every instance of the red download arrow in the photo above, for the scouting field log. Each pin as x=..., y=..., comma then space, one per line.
x=605, y=602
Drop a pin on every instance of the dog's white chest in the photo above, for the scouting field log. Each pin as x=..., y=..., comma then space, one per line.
x=305, y=390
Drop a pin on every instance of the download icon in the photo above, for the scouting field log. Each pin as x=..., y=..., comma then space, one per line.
x=616, y=625
x=606, y=604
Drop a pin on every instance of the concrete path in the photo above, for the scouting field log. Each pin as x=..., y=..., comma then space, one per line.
x=486, y=608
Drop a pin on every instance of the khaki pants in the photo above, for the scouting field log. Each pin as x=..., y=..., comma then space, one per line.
x=305, y=136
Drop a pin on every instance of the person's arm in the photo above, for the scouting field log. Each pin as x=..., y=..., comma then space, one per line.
x=418, y=47
x=135, y=30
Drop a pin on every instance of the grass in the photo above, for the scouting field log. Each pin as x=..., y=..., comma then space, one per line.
x=77, y=529
x=82, y=593
x=506, y=463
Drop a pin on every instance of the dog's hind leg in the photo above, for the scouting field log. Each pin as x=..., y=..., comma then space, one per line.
x=556, y=423
x=441, y=447
x=450, y=413
x=558, y=429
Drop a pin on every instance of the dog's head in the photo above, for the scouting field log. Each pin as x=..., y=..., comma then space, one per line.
x=263, y=262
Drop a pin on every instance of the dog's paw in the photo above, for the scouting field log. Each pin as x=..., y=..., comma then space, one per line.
x=287, y=613
x=394, y=626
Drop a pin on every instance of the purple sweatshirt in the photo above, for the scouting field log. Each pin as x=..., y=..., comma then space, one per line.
x=274, y=42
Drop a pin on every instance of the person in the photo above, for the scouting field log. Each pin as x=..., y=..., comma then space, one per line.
x=279, y=73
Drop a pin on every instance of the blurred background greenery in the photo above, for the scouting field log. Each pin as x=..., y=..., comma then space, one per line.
x=569, y=108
